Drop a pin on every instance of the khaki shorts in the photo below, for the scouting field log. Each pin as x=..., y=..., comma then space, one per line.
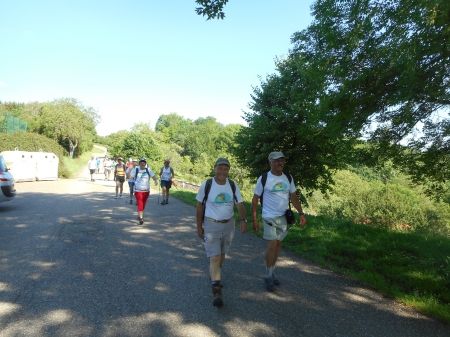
x=218, y=237
x=275, y=228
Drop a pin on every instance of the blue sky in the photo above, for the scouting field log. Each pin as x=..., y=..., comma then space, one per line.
x=135, y=60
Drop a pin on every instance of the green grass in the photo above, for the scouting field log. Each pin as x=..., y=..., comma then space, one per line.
x=75, y=165
x=411, y=268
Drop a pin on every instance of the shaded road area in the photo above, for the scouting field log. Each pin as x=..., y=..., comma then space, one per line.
x=74, y=262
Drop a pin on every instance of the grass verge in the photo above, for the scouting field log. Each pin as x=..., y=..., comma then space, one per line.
x=75, y=165
x=411, y=268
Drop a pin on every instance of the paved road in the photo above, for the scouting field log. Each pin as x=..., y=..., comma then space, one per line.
x=74, y=262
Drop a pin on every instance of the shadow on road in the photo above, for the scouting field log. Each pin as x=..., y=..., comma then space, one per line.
x=74, y=262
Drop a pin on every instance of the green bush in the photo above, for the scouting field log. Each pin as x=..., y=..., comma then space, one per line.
x=391, y=206
x=33, y=142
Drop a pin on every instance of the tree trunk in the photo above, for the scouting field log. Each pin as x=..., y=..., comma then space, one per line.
x=72, y=147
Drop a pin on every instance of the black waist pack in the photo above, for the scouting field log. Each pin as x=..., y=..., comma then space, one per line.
x=290, y=217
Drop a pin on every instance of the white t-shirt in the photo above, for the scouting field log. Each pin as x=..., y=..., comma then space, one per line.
x=220, y=202
x=276, y=194
x=92, y=164
x=108, y=164
x=142, y=181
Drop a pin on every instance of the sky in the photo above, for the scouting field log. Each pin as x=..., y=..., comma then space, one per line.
x=136, y=60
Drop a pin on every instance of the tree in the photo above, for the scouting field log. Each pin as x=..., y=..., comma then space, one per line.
x=385, y=64
x=212, y=9
x=67, y=120
x=173, y=127
x=368, y=69
x=136, y=145
x=285, y=116
x=202, y=139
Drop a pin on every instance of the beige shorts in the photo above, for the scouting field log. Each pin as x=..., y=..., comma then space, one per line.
x=218, y=237
x=275, y=228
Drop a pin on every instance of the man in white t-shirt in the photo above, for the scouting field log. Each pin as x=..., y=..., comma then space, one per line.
x=277, y=190
x=215, y=221
x=92, y=165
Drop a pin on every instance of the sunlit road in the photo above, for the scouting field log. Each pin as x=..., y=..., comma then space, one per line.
x=74, y=262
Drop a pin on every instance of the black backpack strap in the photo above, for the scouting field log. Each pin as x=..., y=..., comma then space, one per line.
x=207, y=189
x=137, y=171
x=233, y=188
x=263, y=182
x=289, y=176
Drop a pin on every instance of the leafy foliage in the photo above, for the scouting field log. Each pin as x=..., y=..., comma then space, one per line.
x=388, y=205
x=385, y=66
x=137, y=145
x=212, y=9
x=285, y=117
x=371, y=69
x=65, y=120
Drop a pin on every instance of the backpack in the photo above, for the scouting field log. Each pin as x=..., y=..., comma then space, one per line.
x=137, y=171
x=263, y=182
x=208, y=188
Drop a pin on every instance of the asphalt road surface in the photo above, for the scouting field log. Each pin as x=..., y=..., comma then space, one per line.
x=74, y=262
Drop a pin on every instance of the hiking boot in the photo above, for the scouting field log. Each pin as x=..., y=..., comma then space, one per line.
x=218, y=298
x=163, y=202
x=141, y=221
x=167, y=201
x=276, y=281
x=270, y=286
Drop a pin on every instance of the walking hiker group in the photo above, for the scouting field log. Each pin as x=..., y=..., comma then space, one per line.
x=216, y=197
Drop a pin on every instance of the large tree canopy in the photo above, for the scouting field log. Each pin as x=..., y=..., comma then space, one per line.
x=286, y=117
x=368, y=68
x=387, y=74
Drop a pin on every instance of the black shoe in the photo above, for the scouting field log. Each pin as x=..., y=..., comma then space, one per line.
x=131, y=201
x=141, y=221
x=275, y=280
x=218, y=298
x=270, y=286
x=163, y=202
x=167, y=201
